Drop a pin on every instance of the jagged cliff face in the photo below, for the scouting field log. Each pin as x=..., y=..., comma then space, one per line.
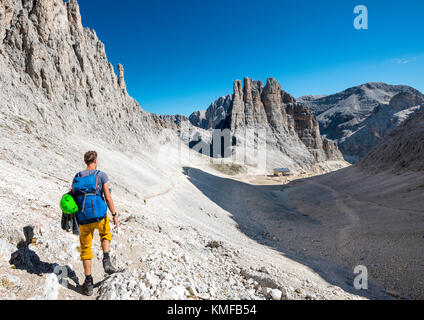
x=55, y=72
x=176, y=122
x=401, y=150
x=360, y=117
x=307, y=127
x=214, y=115
x=292, y=129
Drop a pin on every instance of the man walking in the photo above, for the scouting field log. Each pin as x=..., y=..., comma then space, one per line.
x=91, y=190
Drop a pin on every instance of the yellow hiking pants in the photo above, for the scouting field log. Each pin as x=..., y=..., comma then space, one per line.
x=86, y=237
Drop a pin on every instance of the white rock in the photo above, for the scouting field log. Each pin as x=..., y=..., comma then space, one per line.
x=180, y=290
x=51, y=287
x=152, y=280
x=201, y=287
x=266, y=291
x=276, y=294
x=251, y=292
x=166, y=283
x=192, y=290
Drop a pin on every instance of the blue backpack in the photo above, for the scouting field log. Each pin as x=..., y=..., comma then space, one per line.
x=91, y=206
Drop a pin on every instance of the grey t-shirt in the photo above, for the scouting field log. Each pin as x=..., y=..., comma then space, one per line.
x=102, y=177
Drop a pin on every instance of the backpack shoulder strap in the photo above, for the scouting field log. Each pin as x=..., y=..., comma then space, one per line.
x=96, y=173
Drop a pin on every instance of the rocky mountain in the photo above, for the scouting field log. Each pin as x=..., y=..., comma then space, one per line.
x=212, y=117
x=309, y=99
x=58, y=74
x=359, y=117
x=292, y=131
x=175, y=122
x=401, y=150
x=383, y=120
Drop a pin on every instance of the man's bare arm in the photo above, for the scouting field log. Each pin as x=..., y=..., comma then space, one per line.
x=109, y=202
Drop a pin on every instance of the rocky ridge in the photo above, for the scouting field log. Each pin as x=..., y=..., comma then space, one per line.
x=359, y=117
x=214, y=115
x=401, y=150
x=48, y=55
x=292, y=131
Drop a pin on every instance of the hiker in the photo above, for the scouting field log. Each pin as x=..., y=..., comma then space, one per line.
x=91, y=191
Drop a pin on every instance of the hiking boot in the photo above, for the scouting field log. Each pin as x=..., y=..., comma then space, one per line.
x=87, y=288
x=108, y=267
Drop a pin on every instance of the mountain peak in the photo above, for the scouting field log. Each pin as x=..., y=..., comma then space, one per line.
x=254, y=106
x=355, y=113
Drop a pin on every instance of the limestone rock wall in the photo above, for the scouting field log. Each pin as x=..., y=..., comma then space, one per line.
x=56, y=72
x=291, y=127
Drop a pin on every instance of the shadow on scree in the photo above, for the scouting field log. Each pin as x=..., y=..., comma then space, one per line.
x=27, y=260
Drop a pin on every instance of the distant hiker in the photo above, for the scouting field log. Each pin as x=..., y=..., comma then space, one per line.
x=90, y=189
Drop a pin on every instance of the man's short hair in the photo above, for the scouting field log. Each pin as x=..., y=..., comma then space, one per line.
x=90, y=157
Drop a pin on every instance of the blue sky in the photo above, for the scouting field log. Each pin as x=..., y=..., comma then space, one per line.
x=181, y=55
